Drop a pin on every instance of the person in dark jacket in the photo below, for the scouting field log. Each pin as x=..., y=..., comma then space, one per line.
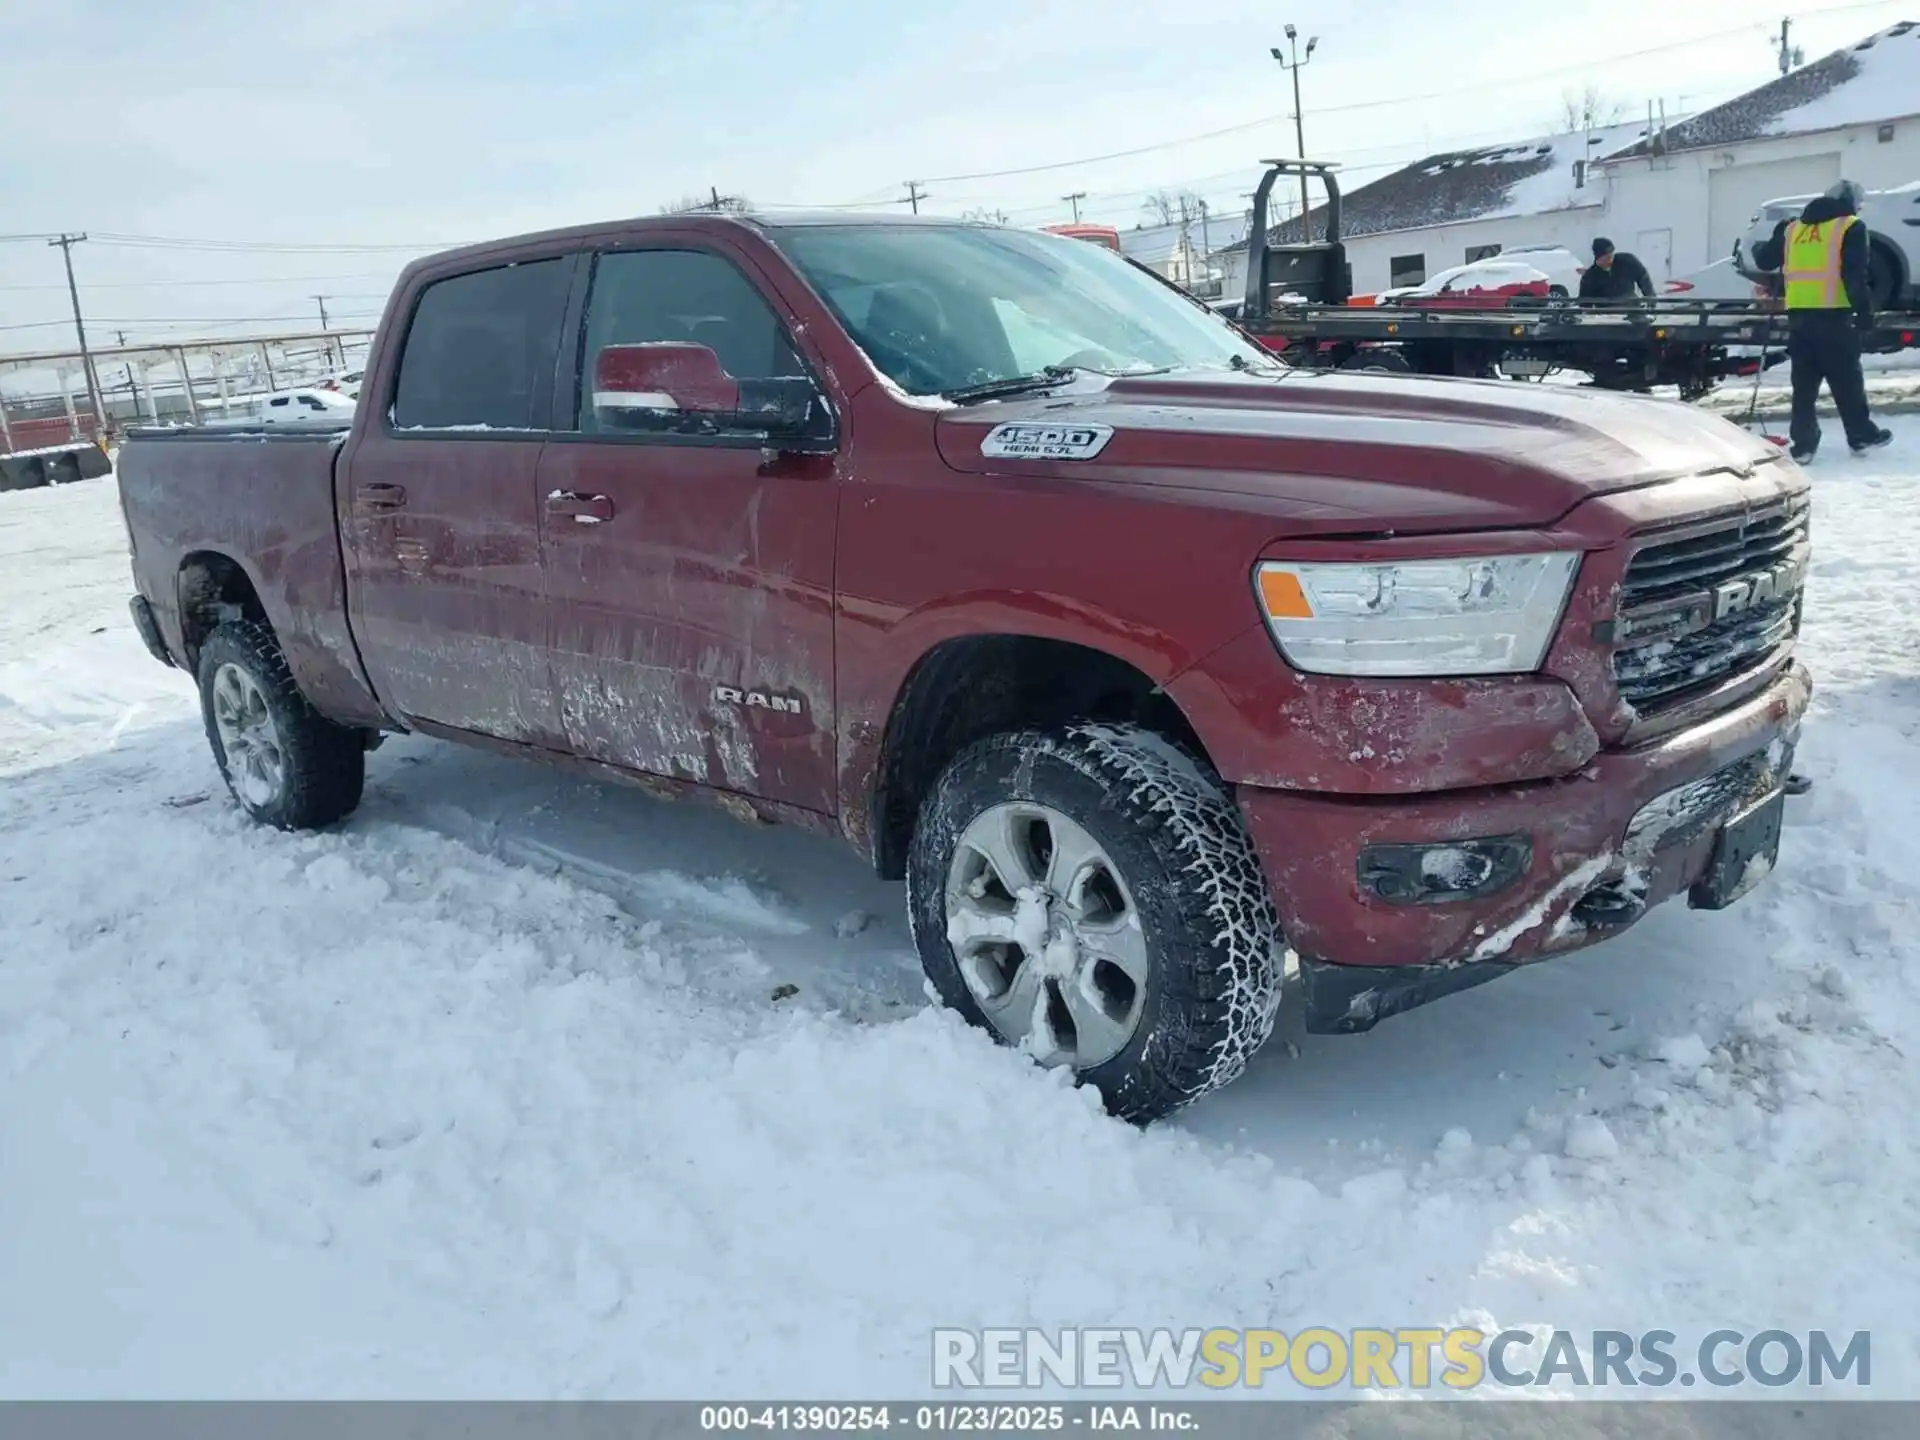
x=1614, y=274
x=1823, y=260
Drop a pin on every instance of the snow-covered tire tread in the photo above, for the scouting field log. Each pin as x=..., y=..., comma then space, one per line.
x=1218, y=964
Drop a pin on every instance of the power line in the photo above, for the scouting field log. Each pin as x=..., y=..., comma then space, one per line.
x=278, y=247
x=1388, y=101
x=200, y=320
x=228, y=280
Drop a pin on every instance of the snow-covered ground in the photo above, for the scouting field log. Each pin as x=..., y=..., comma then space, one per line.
x=487, y=1093
x=1893, y=384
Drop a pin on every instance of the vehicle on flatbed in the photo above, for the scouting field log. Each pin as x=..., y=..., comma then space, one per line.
x=1892, y=218
x=1148, y=663
x=1296, y=304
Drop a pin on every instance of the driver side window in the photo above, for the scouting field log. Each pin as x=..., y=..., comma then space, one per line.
x=688, y=296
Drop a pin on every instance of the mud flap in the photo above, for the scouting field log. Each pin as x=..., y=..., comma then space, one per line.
x=1743, y=854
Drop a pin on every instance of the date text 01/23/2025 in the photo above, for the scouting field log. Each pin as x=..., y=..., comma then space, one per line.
x=939, y=1419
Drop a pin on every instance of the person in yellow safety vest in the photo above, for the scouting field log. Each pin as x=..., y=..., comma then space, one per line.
x=1823, y=259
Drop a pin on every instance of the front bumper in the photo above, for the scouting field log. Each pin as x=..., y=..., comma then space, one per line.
x=1593, y=868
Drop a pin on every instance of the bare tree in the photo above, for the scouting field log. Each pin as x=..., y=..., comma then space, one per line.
x=713, y=203
x=1168, y=206
x=985, y=215
x=1588, y=109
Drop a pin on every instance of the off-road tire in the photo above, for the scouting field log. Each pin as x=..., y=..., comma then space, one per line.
x=1883, y=277
x=325, y=764
x=1214, y=987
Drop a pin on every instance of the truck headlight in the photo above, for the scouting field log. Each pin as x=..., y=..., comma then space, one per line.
x=1486, y=616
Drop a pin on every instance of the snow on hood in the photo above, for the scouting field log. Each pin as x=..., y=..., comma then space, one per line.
x=1340, y=452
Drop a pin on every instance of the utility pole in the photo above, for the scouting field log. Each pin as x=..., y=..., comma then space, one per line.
x=66, y=244
x=331, y=346
x=915, y=195
x=1790, y=54
x=132, y=388
x=1206, y=239
x=1074, y=200
x=1299, y=121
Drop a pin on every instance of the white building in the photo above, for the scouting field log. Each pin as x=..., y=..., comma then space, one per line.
x=1677, y=196
x=1179, y=251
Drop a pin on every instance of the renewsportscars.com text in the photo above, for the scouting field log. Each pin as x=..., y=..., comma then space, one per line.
x=1396, y=1359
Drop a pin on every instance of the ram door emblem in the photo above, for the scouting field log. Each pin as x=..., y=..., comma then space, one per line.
x=758, y=700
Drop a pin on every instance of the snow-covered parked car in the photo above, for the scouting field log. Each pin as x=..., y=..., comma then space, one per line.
x=1560, y=265
x=1893, y=258
x=289, y=406
x=1523, y=270
x=1493, y=280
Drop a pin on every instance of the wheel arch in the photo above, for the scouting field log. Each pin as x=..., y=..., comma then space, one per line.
x=963, y=689
x=1882, y=247
x=211, y=586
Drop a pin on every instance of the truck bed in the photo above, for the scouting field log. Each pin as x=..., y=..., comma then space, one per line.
x=264, y=493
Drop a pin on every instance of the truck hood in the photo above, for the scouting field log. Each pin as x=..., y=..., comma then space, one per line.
x=1358, y=453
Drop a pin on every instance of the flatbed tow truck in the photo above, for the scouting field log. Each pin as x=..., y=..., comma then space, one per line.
x=1296, y=304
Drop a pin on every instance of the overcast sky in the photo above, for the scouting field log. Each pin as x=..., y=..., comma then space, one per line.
x=363, y=123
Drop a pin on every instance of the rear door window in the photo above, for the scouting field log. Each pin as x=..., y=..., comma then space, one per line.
x=481, y=349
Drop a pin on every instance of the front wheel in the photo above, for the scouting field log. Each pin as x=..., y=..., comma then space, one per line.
x=287, y=765
x=1091, y=897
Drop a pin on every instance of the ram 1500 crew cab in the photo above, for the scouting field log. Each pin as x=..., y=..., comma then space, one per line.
x=1142, y=660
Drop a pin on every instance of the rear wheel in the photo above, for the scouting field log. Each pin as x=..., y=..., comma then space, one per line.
x=1390, y=361
x=1885, y=281
x=1091, y=897
x=286, y=764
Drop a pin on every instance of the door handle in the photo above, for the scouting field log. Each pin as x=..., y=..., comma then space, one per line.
x=376, y=498
x=585, y=509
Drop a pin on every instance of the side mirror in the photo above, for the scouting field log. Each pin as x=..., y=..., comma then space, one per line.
x=672, y=385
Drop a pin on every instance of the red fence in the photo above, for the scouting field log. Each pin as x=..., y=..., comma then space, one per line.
x=38, y=434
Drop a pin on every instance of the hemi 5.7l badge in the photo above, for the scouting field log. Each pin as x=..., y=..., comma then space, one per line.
x=1045, y=442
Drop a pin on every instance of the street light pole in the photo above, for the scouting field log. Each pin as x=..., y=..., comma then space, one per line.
x=1299, y=119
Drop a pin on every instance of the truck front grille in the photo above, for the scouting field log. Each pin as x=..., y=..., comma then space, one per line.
x=1703, y=609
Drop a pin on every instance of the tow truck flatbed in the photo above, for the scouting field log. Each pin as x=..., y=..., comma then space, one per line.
x=1296, y=305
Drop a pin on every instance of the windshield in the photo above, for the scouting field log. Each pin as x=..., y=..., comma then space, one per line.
x=947, y=308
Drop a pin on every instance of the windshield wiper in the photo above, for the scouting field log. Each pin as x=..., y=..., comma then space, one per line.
x=1040, y=379
x=1011, y=385
x=1246, y=366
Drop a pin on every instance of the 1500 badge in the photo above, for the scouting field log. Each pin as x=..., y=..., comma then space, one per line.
x=1017, y=441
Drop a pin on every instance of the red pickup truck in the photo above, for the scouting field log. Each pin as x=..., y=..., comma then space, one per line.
x=1148, y=664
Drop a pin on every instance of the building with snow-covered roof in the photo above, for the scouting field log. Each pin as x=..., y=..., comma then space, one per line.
x=1691, y=190
x=1462, y=205
x=1677, y=193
